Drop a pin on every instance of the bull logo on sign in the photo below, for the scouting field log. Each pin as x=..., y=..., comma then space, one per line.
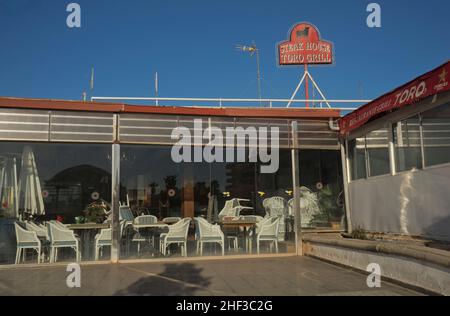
x=303, y=33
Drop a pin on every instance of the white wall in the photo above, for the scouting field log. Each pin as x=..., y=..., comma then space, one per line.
x=416, y=203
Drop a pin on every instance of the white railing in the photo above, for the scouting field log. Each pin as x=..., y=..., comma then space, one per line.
x=219, y=102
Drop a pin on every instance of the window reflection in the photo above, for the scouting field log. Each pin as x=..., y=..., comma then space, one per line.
x=215, y=193
x=378, y=152
x=406, y=137
x=61, y=192
x=436, y=135
x=321, y=188
x=166, y=208
x=357, y=158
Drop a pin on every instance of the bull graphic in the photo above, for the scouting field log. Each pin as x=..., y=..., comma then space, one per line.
x=303, y=33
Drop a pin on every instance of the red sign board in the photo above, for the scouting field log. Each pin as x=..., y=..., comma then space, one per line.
x=433, y=82
x=305, y=47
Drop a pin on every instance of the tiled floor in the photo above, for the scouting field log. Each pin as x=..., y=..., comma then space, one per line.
x=256, y=276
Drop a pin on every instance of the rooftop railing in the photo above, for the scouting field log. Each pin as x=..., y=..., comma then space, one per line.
x=235, y=103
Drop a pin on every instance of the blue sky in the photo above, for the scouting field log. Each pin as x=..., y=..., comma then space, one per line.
x=192, y=46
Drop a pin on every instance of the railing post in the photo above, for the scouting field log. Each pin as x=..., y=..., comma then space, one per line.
x=296, y=189
x=345, y=176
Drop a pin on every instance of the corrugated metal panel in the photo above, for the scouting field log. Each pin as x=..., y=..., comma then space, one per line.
x=24, y=125
x=260, y=123
x=196, y=128
x=147, y=128
x=316, y=134
x=81, y=127
x=72, y=126
x=156, y=129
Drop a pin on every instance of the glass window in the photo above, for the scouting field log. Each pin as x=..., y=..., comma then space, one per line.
x=266, y=195
x=61, y=188
x=436, y=135
x=378, y=152
x=321, y=189
x=156, y=189
x=406, y=137
x=357, y=158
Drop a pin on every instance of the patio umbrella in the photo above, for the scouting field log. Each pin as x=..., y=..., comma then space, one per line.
x=8, y=186
x=30, y=194
x=211, y=211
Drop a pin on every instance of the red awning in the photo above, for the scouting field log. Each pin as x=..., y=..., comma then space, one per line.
x=433, y=82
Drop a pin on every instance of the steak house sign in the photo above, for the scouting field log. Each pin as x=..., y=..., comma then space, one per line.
x=305, y=47
x=431, y=83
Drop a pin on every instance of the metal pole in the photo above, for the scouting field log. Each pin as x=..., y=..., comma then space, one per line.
x=156, y=87
x=318, y=89
x=422, y=147
x=112, y=98
x=115, y=187
x=295, y=91
x=306, y=86
x=258, y=76
x=296, y=189
x=391, y=149
x=345, y=175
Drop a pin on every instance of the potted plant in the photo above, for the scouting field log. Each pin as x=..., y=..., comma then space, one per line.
x=96, y=212
x=331, y=211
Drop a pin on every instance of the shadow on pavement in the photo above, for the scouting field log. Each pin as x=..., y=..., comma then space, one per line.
x=176, y=279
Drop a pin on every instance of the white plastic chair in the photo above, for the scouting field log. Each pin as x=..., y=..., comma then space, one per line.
x=232, y=208
x=125, y=213
x=26, y=240
x=208, y=233
x=142, y=220
x=62, y=238
x=171, y=219
x=309, y=206
x=177, y=235
x=59, y=224
x=145, y=220
x=102, y=239
x=127, y=234
x=177, y=224
x=40, y=230
x=268, y=231
x=277, y=206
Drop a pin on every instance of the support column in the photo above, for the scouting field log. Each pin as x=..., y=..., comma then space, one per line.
x=296, y=189
x=391, y=149
x=115, y=198
x=345, y=177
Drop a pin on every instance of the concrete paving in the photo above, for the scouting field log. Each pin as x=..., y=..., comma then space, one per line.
x=241, y=277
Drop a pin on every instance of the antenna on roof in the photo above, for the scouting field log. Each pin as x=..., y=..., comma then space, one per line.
x=253, y=50
x=156, y=87
x=91, y=83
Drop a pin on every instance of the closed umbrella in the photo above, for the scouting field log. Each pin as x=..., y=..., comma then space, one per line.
x=30, y=194
x=211, y=211
x=8, y=186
